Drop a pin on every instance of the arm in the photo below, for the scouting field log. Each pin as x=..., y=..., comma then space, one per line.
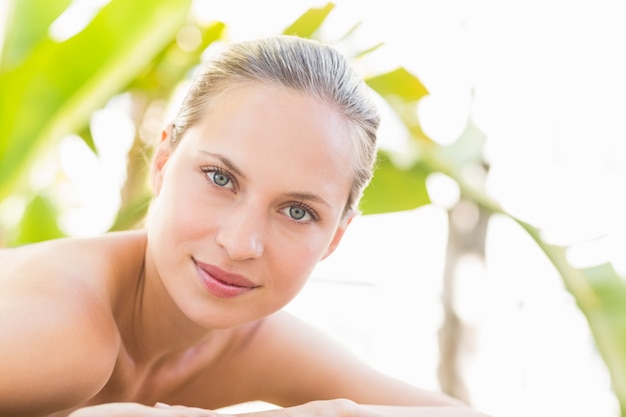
x=58, y=347
x=307, y=373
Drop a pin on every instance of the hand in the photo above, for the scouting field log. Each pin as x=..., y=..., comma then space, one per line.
x=139, y=410
x=320, y=408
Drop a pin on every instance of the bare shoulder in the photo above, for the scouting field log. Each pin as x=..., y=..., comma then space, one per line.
x=300, y=363
x=56, y=321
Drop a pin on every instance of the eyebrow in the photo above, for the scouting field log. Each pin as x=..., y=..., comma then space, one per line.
x=229, y=164
x=308, y=197
x=295, y=195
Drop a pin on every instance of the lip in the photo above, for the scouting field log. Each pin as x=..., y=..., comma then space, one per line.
x=221, y=283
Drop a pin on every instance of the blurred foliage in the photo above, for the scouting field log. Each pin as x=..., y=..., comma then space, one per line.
x=50, y=88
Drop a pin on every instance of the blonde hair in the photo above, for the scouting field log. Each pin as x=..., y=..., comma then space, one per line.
x=301, y=64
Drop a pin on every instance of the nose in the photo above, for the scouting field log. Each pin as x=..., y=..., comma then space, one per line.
x=241, y=233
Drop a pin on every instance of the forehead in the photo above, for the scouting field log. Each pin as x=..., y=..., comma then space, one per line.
x=262, y=126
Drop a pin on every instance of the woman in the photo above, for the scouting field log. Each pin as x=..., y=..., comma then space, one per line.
x=255, y=182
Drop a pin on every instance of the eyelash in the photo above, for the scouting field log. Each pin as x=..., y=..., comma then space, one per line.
x=231, y=178
x=218, y=170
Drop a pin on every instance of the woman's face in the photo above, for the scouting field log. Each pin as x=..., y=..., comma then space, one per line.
x=248, y=203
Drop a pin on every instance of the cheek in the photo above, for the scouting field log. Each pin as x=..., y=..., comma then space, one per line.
x=295, y=262
x=179, y=212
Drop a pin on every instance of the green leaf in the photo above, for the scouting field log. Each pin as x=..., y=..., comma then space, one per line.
x=39, y=222
x=307, y=24
x=402, y=91
x=59, y=85
x=394, y=189
x=28, y=25
x=349, y=32
x=173, y=64
x=600, y=293
x=87, y=137
x=607, y=319
x=398, y=83
x=369, y=50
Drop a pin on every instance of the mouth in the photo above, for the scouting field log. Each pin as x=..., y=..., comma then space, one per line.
x=221, y=283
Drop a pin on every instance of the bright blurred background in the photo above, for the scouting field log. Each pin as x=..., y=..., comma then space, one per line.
x=542, y=84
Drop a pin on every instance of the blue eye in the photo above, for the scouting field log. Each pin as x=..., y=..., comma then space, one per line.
x=300, y=213
x=219, y=177
x=297, y=213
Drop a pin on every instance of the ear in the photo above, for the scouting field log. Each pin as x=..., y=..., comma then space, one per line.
x=341, y=229
x=159, y=160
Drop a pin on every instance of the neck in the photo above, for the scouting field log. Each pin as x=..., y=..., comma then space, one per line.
x=156, y=328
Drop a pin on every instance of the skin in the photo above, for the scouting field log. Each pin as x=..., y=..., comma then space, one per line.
x=121, y=324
